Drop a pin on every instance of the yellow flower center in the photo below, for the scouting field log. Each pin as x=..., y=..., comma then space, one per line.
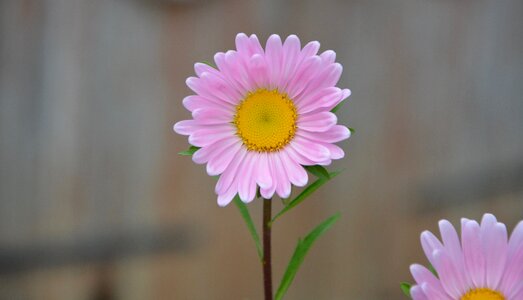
x=266, y=120
x=483, y=294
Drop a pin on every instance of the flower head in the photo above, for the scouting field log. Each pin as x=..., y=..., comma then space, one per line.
x=484, y=266
x=263, y=114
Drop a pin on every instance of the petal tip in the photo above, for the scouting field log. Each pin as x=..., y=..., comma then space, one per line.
x=224, y=200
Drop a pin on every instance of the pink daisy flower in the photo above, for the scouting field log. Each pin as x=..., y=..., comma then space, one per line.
x=263, y=114
x=484, y=266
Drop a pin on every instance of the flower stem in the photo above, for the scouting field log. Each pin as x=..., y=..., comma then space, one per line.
x=267, y=265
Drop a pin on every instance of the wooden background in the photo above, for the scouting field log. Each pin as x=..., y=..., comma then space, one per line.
x=95, y=203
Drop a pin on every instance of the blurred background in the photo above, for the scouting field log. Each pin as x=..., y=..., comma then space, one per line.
x=96, y=204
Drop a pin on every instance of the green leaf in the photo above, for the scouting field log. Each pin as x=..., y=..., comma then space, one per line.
x=431, y=268
x=352, y=130
x=299, y=254
x=337, y=107
x=405, y=287
x=304, y=194
x=244, y=211
x=209, y=64
x=318, y=171
x=190, y=151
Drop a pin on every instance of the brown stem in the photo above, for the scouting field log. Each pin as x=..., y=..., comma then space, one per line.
x=267, y=265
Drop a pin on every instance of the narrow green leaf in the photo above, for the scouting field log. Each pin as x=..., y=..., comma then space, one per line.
x=300, y=252
x=190, y=151
x=352, y=130
x=304, y=194
x=431, y=268
x=337, y=107
x=405, y=287
x=244, y=211
x=209, y=64
x=318, y=171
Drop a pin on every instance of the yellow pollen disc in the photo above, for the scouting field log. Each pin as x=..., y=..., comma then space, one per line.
x=266, y=120
x=483, y=294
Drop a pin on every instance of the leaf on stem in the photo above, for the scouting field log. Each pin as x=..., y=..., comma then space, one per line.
x=304, y=194
x=318, y=171
x=337, y=107
x=431, y=268
x=190, y=151
x=405, y=287
x=244, y=211
x=299, y=254
x=210, y=64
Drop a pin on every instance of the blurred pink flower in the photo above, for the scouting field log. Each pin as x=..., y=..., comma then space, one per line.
x=262, y=115
x=484, y=266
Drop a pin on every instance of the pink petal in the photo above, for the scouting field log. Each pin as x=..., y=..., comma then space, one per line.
x=200, y=68
x=434, y=293
x=246, y=177
x=241, y=68
x=318, y=122
x=262, y=171
x=330, y=103
x=335, y=134
x=203, y=155
x=422, y=274
x=228, y=177
x=448, y=273
x=222, y=87
x=453, y=246
x=207, y=136
x=227, y=196
x=242, y=43
x=491, y=243
x=319, y=100
x=221, y=159
x=297, y=157
x=291, y=52
x=268, y=192
x=326, y=77
x=430, y=243
x=335, y=151
x=292, y=45
x=472, y=251
x=233, y=68
x=315, y=97
x=487, y=222
x=310, y=49
x=194, y=102
x=273, y=55
x=310, y=150
x=325, y=162
x=212, y=116
x=516, y=238
x=514, y=266
x=328, y=57
x=416, y=292
x=296, y=173
x=258, y=70
x=306, y=72
x=202, y=88
x=516, y=293
x=283, y=189
x=186, y=127
x=302, y=62
x=496, y=245
x=248, y=46
x=255, y=45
